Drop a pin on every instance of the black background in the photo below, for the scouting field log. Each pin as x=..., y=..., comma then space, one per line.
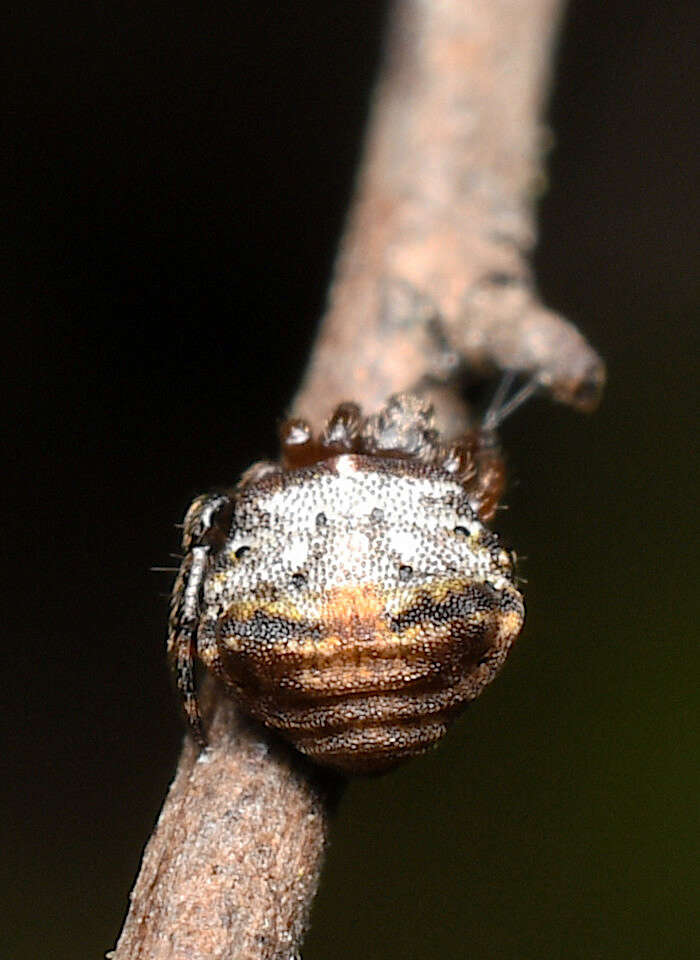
x=177, y=178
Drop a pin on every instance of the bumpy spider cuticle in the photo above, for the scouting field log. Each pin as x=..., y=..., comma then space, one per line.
x=350, y=597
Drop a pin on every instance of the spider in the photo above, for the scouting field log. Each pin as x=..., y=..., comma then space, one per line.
x=350, y=595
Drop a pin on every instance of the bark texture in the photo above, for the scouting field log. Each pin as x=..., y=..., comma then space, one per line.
x=433, y=270
x=233, y=864
x=432, y=280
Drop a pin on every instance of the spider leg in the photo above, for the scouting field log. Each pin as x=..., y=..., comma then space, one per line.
x=488, y=484
x=204, y=534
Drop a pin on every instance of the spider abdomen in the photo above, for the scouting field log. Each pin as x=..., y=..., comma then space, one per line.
x=366, y=674
x=354, y=605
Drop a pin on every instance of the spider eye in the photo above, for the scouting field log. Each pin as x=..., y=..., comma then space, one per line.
x=405, y=572
x=462, y=531
x=241, y=552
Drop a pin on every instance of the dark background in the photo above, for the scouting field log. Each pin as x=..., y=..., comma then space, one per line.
x=177, y=180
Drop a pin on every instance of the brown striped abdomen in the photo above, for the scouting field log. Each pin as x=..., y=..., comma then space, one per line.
x=361, y=678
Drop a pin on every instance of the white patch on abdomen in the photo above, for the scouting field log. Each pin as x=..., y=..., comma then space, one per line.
x=405, y=543
x=296, y=553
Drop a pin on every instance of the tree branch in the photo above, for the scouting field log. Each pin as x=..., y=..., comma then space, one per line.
x=433, y=266
x=432, y=277
x=233, y=865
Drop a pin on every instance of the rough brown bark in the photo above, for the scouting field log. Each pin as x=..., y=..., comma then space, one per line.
x=233, y=864
x=433, y=267
x=432, y=276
